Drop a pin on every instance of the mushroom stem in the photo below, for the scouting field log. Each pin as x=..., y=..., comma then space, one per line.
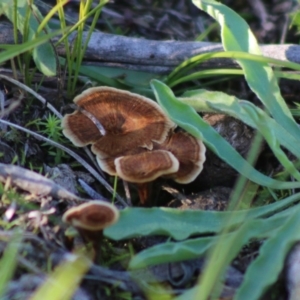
x=144, y=193
x=94, y=238
x=127, y=193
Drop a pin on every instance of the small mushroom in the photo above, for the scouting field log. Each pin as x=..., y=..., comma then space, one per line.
x=90, y=219
x=145, y=167
x=115, y=121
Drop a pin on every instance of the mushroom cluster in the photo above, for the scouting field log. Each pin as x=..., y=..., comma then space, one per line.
x=133, y=138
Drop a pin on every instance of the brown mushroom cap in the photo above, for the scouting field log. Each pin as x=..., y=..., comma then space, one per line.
x=108, y=164
x=130, y=121
x=146, y=166
x=190, y=153
x=92, y=216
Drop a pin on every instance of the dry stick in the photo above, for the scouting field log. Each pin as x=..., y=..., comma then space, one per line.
x=163, y=56
x=158, y=57
x=28, y=265
x=71, y=153
x=32, y=92
x=49, y=105
x=90, y=191
x=6, y=111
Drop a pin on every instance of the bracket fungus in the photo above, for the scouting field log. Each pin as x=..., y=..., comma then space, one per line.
x=90, y=219
x=133, y=138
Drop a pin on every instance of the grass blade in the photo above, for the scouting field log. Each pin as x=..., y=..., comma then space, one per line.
x=271, y=259
x=274, y=133
x=9, y=261
x=63, y=282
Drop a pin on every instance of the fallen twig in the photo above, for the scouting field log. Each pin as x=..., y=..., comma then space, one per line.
x=152, y=56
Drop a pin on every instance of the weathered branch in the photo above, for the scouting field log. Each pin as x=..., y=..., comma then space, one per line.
x=164, y=56
x=154, y=56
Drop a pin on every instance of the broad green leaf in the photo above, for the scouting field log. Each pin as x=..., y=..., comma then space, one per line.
x=97, y=74
x=237, y=36
x=43, y=55
x=182, y=224
x=172, y=252
x=210, y=101
x=44, y=58
x=267, y=130
x=194, y=248
x=187, y=118
x=266, y=267
x=274, y=133
x=227, y=248
x=263, y=275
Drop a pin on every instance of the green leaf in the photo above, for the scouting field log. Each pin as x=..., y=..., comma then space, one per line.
x=43, y=55
x=182, y=224
x=63, y=282
x=271, y=259
x=190, y=294
x=182, y=73
x=274, y=133
x=172, y=252
x=237, y=36
x=193, y=248
x=187, y=118
x=13, y=50
x=9, y=261
x=97, y=74
x=44, y=58
x=119, y=77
